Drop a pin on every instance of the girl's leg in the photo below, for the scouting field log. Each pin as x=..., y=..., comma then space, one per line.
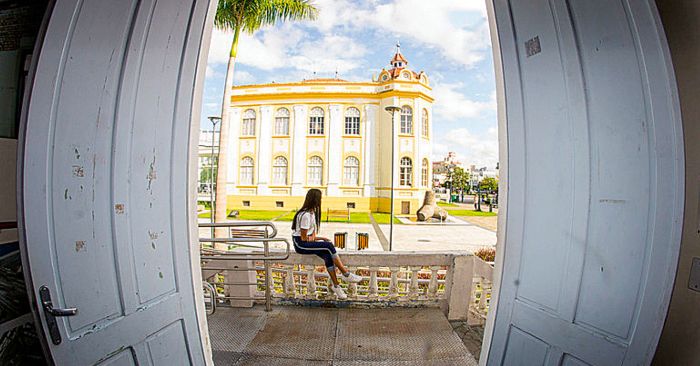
x=324, y=250
x=339, y=264
x=334, y=277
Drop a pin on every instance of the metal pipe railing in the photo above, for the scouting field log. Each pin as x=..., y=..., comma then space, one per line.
x=265, y=255
x=213, y=294
x=230, y=224
x=214, y=254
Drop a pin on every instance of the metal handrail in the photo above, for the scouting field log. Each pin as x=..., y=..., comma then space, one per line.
x=213, y=294
x=223, y=255
x=265, y=257
x=230, y=224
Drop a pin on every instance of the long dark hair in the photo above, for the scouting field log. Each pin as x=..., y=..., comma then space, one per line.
x=312, y=203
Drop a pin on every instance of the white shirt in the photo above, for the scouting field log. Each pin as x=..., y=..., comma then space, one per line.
x=305, y=220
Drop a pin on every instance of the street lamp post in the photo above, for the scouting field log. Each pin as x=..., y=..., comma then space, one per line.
x=392, y=110
x=214, y=120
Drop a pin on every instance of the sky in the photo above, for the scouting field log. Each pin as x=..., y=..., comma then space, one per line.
x=448, y=39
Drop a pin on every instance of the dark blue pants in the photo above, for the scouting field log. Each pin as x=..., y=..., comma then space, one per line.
x=323, y=249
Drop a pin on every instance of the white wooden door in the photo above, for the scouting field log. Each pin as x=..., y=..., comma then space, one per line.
x=105, y=181
x=594, y=183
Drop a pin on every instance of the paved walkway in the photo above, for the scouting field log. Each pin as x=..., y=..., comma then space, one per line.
x=467, y=237
x=489, y=223
x=322, y=336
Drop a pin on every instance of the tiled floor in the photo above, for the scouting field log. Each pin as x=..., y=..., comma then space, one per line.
x=321, y=336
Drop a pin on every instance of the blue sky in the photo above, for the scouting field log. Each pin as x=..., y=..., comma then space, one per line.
x=448, y=39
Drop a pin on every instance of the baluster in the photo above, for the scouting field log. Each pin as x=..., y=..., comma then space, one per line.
x=352, y=287
x=433, y=286
x=485, y=290
x=413, y=290
x=310, y=281
x=223, y=277
x=289, y=285
x=394, y=285
x=477, y=294
x=373, y=288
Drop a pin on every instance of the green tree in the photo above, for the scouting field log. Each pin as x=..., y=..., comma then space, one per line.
x=205, y=175
x=489, y=185
x=247, y=16
x=458, y=180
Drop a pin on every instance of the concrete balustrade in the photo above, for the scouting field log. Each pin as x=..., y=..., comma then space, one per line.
x=459, y=283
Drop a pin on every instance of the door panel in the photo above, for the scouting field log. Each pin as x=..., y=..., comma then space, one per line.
x=105, y=180
x=594, y=183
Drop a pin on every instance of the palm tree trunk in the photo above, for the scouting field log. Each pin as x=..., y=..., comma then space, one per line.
x=220, y=212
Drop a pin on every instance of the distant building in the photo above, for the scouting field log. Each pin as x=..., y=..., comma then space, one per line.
x=442, y=168
x=206, y=157
x=333, y=135
x=476, y=175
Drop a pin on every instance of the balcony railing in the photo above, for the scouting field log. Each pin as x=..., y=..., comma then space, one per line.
x=457, y=282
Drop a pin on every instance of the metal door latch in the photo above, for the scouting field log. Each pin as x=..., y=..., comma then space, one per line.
x=51, y=313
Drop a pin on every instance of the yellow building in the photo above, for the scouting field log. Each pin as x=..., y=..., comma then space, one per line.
x=333, y=135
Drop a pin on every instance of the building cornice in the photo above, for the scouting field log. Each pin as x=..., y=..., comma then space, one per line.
x=317, y=96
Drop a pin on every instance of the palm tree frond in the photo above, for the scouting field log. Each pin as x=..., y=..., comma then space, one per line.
x=273, y=11
x=251, y=15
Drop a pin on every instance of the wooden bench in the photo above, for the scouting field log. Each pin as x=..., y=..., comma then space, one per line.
x=345, y=214
x=248, y=233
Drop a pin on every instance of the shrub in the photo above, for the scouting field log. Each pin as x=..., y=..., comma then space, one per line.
x=487, y=254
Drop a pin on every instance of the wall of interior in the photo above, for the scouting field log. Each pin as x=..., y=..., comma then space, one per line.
x=680, y=340
x=19, y=23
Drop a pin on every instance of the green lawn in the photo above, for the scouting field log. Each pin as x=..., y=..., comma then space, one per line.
x=254, y=215
x=446, y=204
x=470, y=213
x=383, y=218
x=267, y=215
x=355, y=218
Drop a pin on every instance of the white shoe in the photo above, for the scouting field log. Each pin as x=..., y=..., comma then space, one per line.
x=352, y=278
x=339, y=292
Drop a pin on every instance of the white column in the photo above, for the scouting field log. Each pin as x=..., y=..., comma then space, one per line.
x=264, y=150
x=335, y=149
x=234, y=131
x=370, y=116
x=428, y=148
x=417, y=143
x=298, y=158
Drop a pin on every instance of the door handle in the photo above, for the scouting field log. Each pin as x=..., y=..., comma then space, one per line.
x=48, y=307
x=51, y=313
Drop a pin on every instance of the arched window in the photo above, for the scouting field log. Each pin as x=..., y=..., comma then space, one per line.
x=282, y=122
x=248, y=125
x=424, y=173
x=247, y=166
x=406, y=120
x=314, y=176
x=279, y=171
x=406, y=172
x=316, y=121
x=426, y=126
x=352, y=121
x=351, y=171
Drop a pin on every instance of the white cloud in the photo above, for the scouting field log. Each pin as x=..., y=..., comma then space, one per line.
x=220, y=47
x=241, y=77
x=414, y=20
x=291, y=47
x=329, y=54
x=418, y=20
x=210, y=72
x=431, y=24
x=478, y=149
x=451, y=104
